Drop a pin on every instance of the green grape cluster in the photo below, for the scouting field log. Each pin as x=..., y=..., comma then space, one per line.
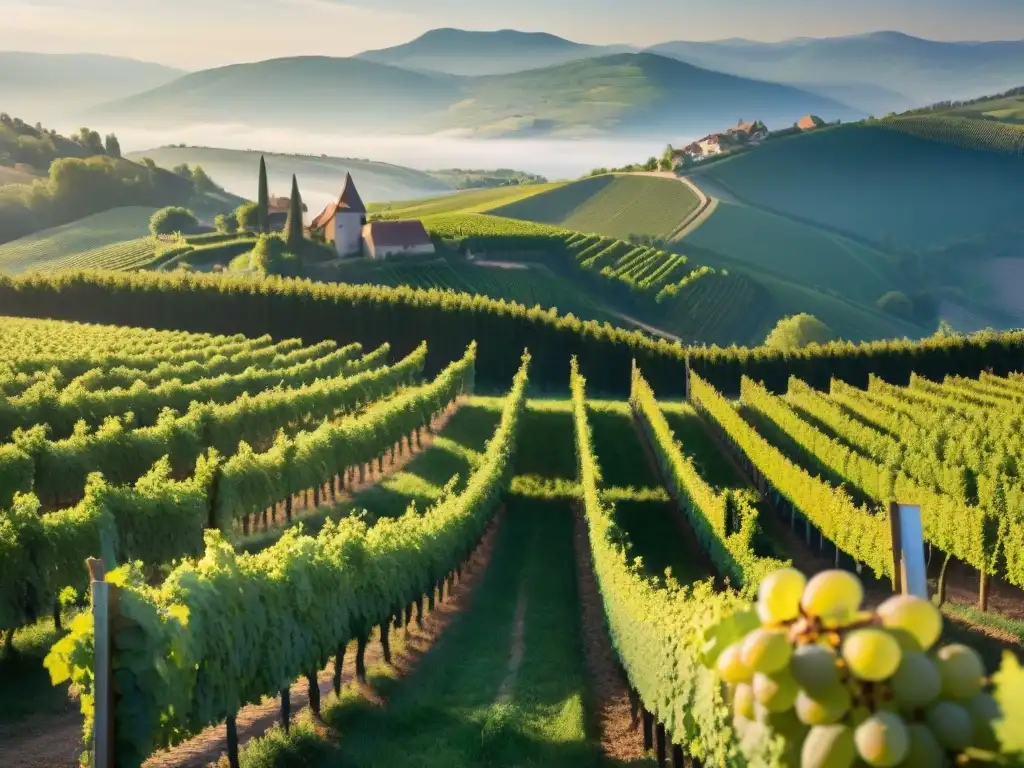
x=849, y=687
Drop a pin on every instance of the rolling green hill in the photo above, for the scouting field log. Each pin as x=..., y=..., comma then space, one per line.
x=115, y=239
x=320, y=178
x=612, y=205
x=469, y=201
x=636, y=94
x=882, y=185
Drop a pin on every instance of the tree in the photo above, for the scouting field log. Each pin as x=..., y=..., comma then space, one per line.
x=149, y=162
x=666, y=162
x=112, y=145
x=247, y=216
x=270, y=256
x=263, y=201
x=202, y=181
x=173, y=219
x=91, y=141
x=896, y=303
x=651, y=164
x=798, y=331
x=293, y=226
x=226, y=223
x=183, y=170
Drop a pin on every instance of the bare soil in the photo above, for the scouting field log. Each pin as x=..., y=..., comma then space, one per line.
x=620, y=733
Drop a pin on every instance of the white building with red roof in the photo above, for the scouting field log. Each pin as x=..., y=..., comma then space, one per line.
x=344, y=224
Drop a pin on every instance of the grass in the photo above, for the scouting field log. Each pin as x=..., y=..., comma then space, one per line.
x=469, y=201
x=643, y=508
x=115, y=239
x=885, y=186
x=611, y=205
x=449, y=714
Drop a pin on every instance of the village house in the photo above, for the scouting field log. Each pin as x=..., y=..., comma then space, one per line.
x=382, y=239
x=277, y=212
x=809, y=122
x=344, y=224
x=751, y=133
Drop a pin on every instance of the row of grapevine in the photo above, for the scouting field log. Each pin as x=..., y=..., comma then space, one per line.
x=658, y=632
x=229, y=629
x=157, y=519
x=56, y=470
x=725, y=523
x=991, y=135
x=405, y=316
x=967, y=532
x=856, y=530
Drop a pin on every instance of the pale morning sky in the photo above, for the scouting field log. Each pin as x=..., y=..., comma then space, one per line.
x=193, y=34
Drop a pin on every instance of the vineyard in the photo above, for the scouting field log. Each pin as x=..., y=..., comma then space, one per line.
x=115, y=239
x=990, y=135
x=616, y=206
x=278, y=519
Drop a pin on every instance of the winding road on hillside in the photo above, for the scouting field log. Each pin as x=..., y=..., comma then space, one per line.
x=705, y=207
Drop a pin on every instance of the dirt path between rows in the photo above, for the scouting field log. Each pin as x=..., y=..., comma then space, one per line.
x=517, y=649
x=55, y=741
x=621, y=738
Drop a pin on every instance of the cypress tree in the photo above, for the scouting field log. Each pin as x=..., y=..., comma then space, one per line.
x=293, y=228
x=263, y=203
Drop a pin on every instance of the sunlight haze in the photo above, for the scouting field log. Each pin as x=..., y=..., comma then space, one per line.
x=197, y=33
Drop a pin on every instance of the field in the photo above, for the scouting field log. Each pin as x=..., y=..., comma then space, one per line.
x=469, y=201
x=884, y=186
x=617, y=206
x=115, y=239
x=435, y=570
x=1002, y=133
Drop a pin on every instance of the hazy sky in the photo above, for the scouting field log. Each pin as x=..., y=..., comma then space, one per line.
x=193, y=34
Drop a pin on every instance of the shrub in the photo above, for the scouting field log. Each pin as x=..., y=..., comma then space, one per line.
x=798, y=331
x=172, y=219
x=226, y=223
x=896, y=303
x=247, y=216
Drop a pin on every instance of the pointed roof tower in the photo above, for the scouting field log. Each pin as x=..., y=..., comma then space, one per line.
x=350, y=199
x=348, y=202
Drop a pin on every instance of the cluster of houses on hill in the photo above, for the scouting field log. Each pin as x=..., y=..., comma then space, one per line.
x=741, y=135
x=343, y=223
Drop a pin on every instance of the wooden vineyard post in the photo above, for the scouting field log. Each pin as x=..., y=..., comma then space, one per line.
x=659, y=741
x=678, y=761
x=314, y=692
x=648, y=719
x=104, y=610
x=286, y=708
x=385, y=641
x=908, y=572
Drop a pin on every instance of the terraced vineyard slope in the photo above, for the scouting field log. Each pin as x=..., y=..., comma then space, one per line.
x=115, y=239
x=617, y=206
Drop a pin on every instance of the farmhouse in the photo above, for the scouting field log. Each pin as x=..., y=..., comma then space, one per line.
x=344, y=224
x=809, y=122
x=277, y=212
x=382, y=239
x=748, y=132
x=712, y=145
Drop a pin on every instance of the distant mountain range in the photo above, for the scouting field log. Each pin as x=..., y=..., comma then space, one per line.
x=622, y=94
x=461, y=52
x=48, y=86
x=510, y=83
x=895, y=70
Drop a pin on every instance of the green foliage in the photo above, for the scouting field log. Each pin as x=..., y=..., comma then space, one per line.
x=296, y=602
x=856, y=530
x=247, y=217
x=965, y=132
x=725, y=523
x=262, y=201
x=171, y=220
x=226, y=223
x=293, y=236
x=798, y=331
x=896, y=303
x=657, y=632
x=112, y=145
